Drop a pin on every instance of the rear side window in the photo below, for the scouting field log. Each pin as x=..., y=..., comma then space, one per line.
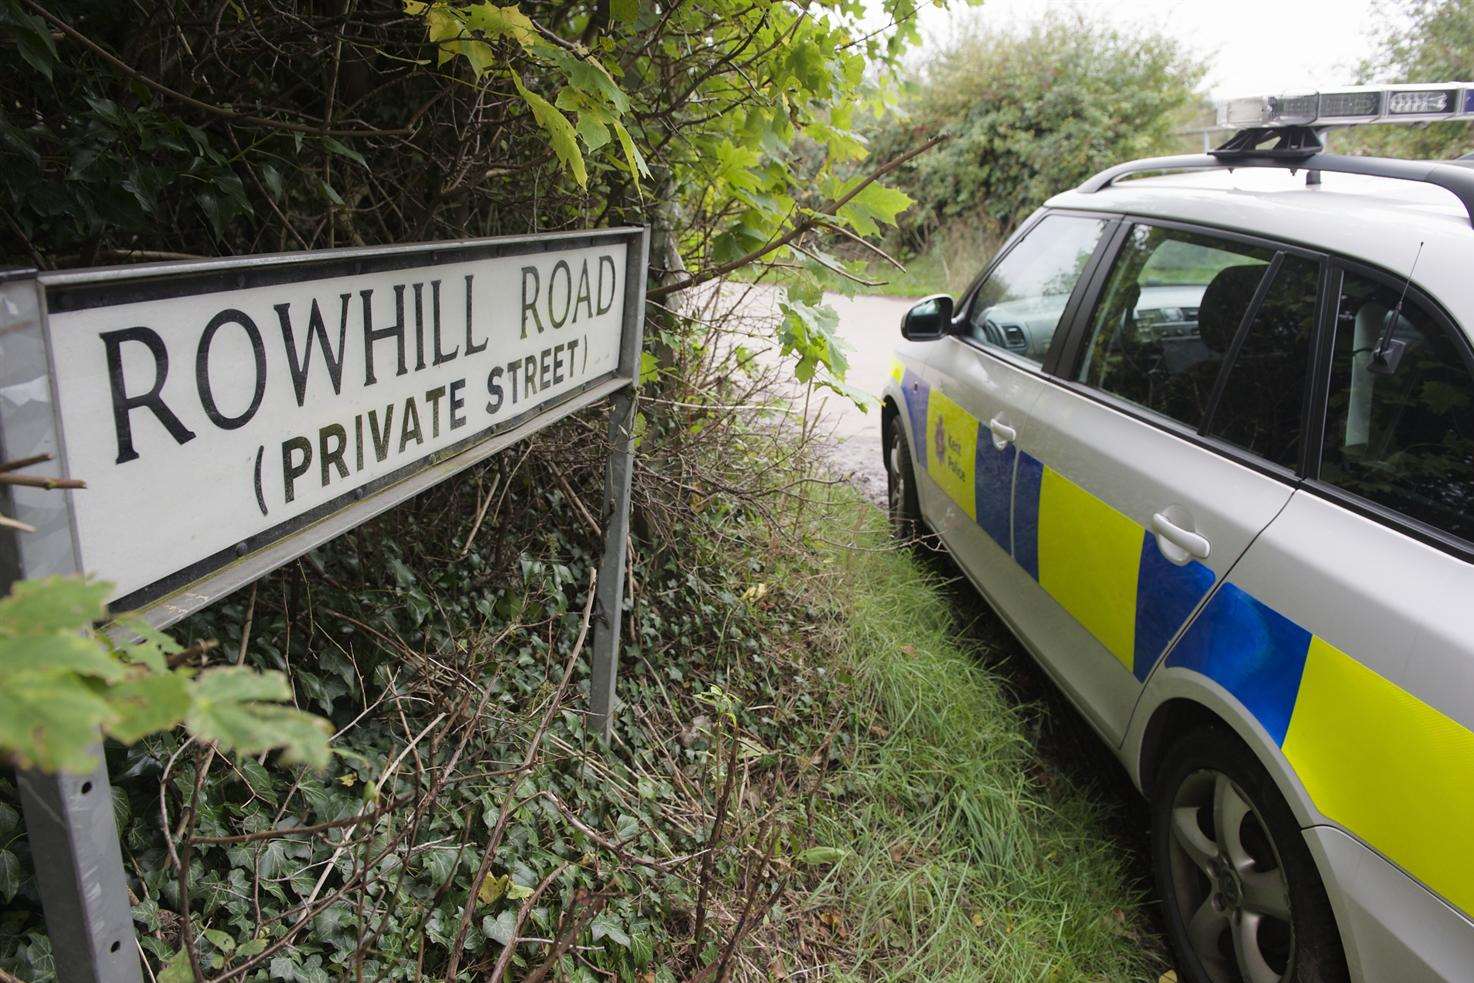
x=1262, y=397
x=1400, y=410
x=1169, y=312
x=1019, y=306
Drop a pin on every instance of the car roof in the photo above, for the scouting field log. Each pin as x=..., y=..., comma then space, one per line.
x=1377, y=220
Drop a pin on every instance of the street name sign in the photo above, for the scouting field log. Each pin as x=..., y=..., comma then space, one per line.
x=228, y=415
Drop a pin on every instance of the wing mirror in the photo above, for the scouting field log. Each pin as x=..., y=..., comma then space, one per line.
x=928, y=320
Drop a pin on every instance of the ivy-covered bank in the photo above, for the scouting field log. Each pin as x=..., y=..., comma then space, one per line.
x=810, y=773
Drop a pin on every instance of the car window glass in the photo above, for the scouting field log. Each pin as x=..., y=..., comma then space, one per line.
x=1168, y=313
x=1400, y=427
x=1263, y=395
x=1019, y=306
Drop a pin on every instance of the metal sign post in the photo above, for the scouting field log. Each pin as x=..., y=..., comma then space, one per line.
x=227, y=416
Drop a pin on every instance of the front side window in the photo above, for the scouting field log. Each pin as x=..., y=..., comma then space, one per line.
x=1167, y=316
x=1400, y=409
x=1019, y=306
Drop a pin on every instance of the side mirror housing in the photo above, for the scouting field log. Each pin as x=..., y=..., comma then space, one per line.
x=928, y=320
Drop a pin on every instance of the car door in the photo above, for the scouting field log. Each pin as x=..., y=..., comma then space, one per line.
x=1346, y=631
x=1145, y=475
x=987, y=375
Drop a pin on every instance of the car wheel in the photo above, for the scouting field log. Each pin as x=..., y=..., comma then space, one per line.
x=900, y=483
x=1244, y=901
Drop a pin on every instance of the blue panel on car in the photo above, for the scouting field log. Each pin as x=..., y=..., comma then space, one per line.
x=993, y=479
x=916, y=391
x=1026, y=513
x=1165, y=595
x=1249, y=649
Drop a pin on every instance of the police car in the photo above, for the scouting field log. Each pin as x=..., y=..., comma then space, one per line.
x=1205, y=441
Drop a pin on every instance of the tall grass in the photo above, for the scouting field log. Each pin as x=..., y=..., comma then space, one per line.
x=959, y=864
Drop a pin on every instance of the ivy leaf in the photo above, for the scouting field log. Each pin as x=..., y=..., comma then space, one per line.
x=9, y=875
x=236, y=708
x=492, y=889
x=178, y=970
x=148, y=704
x=604, y=926
x=53, y=604
x=502, y=929
x=561, y=132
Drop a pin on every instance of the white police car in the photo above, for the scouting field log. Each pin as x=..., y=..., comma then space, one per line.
x=1206, y=442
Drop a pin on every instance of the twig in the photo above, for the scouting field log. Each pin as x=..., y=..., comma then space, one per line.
x=8, y=523
x=40, y=481
x=572, y=928
x=24, y=462
x=508, y=802
x=523, y=910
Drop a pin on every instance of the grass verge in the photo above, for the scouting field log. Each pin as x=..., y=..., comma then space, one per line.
x=958, y=863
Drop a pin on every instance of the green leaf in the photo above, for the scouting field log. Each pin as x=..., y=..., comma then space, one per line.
x=343, y=150
x=231, y=707
x=9, y=875
x=649, y=368
x=624, y=11
x=734, y=165
x=148, y=704
x=9, y=820
x=178, y=969
x=53, y=604
x=272, y=178
x=632, y=156
x=502, y=929
x=605, y=926
x=874, y=204
x=822, y=855
x=50, y=721
x=508, y=21
x=561, y=132
x=59, y=653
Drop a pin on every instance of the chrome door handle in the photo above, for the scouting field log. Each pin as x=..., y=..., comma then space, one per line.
x=1003, y=434
x=1189, y=543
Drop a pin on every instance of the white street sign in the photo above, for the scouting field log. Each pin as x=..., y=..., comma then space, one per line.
x=213, y=409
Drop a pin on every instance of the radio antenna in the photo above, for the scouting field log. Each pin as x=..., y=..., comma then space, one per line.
x=1389, y=350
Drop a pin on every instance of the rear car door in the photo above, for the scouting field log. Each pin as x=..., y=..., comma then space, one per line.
x=988, y=374
x=1145, y=475
x=1346, y=632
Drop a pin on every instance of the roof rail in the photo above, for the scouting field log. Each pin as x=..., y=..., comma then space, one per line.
x=1455, y=178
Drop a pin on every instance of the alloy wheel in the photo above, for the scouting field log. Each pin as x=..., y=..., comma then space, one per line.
x=1229, y=884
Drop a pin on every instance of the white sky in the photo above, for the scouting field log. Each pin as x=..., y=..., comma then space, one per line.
x=1252, y=47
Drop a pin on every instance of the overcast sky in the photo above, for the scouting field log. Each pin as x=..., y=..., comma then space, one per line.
x=1252, y=47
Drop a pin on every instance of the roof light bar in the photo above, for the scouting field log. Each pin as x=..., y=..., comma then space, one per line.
x=1352, y=105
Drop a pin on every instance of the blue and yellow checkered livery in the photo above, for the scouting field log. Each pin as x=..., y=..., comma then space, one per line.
x=1376, y=760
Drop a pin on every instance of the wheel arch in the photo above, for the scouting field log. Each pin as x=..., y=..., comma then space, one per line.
x=1179, y=700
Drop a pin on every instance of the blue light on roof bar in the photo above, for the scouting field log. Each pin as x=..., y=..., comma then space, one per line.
x=1469, y=101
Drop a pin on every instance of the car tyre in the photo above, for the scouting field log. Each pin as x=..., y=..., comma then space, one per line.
x=1244, y=902
x=900, y=483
